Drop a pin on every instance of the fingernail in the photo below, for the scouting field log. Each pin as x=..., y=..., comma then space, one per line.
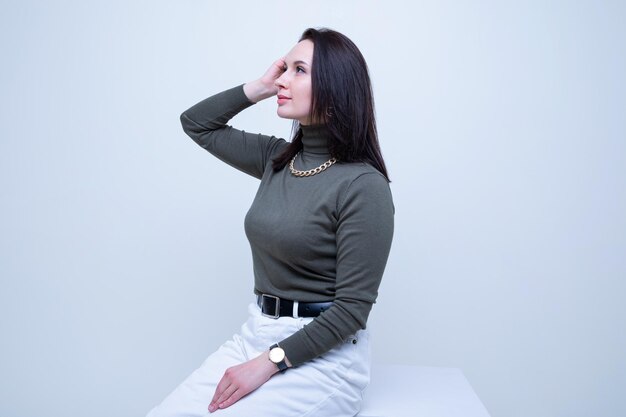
x=211, y=408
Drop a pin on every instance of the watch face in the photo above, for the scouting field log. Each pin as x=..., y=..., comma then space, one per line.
x=277, y=355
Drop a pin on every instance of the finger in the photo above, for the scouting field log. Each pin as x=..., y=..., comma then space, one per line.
x=237, y=395
x=221, y=387
x=223, y=400
x=281, y=66
x=274, y=72
x=220, y=396
x=226, y=394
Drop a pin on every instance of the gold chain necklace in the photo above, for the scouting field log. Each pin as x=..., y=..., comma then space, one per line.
x=310, y=172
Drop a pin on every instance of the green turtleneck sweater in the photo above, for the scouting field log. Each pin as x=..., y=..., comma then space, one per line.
x=320, y=238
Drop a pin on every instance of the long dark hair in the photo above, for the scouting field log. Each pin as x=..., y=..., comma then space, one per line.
x=342, y=100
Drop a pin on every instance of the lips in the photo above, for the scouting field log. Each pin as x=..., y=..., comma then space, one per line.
x=282, y=99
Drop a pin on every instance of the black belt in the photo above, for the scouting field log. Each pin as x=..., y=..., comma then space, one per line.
x=274, y=307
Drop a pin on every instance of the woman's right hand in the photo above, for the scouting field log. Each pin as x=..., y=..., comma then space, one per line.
x=264, y=87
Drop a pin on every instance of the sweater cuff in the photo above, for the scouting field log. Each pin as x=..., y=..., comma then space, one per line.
x=296, y=349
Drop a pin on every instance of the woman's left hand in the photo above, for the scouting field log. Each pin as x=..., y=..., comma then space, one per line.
x=241, y=380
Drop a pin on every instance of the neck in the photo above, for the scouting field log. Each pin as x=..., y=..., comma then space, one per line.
x=315, y=139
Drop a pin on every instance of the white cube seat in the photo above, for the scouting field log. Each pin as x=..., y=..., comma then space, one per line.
x=419, y=391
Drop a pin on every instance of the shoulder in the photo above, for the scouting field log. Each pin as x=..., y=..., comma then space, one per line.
x=361, y=174
x=362, y=184
x=361, y=171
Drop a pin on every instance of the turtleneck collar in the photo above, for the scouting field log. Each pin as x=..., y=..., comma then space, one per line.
x=315, y=139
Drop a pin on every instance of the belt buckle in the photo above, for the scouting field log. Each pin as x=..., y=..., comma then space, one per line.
x=276, y=309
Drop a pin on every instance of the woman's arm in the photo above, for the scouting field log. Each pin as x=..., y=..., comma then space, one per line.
x=206, y=121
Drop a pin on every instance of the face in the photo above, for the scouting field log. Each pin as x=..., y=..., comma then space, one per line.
x=294, y=85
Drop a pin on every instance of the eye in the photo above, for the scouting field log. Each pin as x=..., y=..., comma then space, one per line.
x=299, y=68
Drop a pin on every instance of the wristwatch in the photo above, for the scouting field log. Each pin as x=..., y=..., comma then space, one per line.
x=277, y=356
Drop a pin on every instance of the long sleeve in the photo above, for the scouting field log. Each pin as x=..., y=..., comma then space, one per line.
x=363, y=237
x=206, y=121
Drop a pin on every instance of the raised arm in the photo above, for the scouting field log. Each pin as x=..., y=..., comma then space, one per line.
x=205, y=123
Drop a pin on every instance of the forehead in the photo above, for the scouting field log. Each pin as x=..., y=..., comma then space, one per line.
x=302, y=51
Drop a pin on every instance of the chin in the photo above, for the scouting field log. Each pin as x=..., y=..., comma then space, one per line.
x=282, y=115
x=286, y=115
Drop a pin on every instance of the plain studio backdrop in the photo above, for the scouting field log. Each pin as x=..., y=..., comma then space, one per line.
x=123, y=259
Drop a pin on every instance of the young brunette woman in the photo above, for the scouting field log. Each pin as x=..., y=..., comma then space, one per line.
x=320, y=228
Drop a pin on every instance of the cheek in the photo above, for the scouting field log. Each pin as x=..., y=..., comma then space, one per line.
x=304, y=90
x=305, y=96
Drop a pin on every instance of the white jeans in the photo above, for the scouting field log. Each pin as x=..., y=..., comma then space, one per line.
x=330, y=385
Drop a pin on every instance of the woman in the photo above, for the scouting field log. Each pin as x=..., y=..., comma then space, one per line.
x=320, y=228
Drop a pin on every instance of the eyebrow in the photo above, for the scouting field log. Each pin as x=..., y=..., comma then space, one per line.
x=300, y=62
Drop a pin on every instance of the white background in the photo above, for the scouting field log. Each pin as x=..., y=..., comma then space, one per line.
x=123, y=259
